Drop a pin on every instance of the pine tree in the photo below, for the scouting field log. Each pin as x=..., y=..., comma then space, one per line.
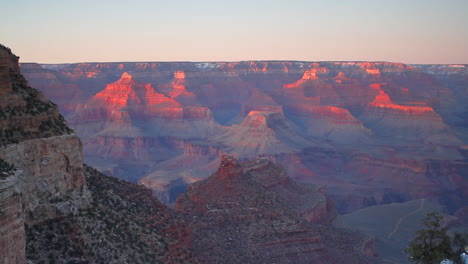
x=431, y=244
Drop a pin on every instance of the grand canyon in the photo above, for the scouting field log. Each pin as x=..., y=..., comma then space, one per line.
x=227, y=162
x=370, y=132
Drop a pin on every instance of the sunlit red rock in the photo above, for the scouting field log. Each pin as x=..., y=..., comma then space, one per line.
x=370, y=68
x=179, y=91
x=308, y=75
x=406, y=121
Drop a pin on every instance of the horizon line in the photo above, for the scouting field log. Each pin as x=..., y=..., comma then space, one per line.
x=231, y=61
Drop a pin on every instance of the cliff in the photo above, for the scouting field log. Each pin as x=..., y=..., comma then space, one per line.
x=34, y=139
x=12, y=235
x=52, y=182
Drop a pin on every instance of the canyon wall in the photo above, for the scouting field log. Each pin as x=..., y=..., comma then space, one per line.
x=52, y=182
x=45, y=157
x=353, y=126
x=12, y=236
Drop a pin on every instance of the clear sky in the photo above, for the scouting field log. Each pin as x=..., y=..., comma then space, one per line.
x=410, y=31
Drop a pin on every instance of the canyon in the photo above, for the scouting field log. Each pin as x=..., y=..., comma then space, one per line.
x=371, y=132
x=56, y=209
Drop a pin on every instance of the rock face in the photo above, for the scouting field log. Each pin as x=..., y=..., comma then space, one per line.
x=12, y=236
x=251, y=213
x=406, y=121
x=351, y=116
x=34, y=139
x=52, y=181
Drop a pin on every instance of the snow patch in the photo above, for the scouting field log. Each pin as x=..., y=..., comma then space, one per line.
x=207, y=65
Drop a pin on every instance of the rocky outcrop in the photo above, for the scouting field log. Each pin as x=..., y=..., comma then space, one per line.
x=179, y=91
x=24, y=112
x=12, y=236
x=307, y=200
x=52, y=183
x=253, y=213
x=35, y=139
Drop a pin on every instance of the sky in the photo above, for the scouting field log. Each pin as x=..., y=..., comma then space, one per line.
x=66, y=31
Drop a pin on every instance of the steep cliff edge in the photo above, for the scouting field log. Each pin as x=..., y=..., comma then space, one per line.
x=52, y=182
x=12, y=237
x=34, y=139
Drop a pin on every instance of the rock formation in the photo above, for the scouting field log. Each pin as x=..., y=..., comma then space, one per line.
x=417, y=121
x=252, y=213
x=261, y=132
x=179, y=91
x=34, y=139
x=12, y=235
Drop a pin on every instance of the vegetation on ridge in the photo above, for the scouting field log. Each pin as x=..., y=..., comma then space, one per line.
x=432, y=244
x=5, y=48
x=25, y=113
x=5, y=169
x=124, y=224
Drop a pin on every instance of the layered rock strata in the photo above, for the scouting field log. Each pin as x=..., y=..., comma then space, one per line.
x=52, y=183
x=253, y=213
x=35, y=139
x=388, y=111
x=12, y=236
